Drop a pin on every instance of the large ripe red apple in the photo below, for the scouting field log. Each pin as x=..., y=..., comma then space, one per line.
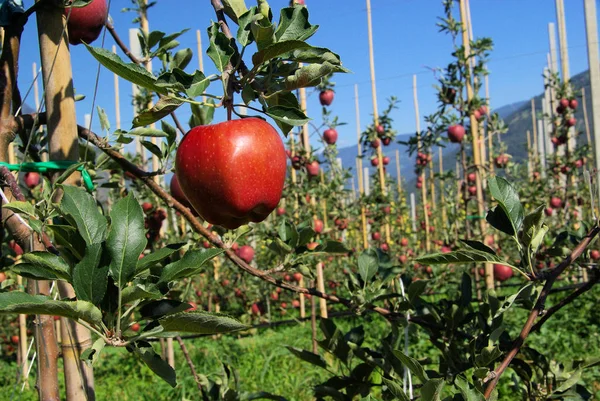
x=246, y=253
x=233, y=172
x=456, y=133
x=326, y=97
x=86, y=23
x=502, y=272
x=32, y=180
x=178, y=194
x=330, y=136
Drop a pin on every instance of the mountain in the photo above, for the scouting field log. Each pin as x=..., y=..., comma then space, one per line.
x=516, y=116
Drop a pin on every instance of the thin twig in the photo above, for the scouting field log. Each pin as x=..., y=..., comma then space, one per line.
x=186, y=354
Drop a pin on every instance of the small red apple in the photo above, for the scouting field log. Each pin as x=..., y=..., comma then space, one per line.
x=571, y=122
x=549, y=211
x=318, y=226
x=280, y=211
x=573, y=103
x=386, y=160
x=32, y=180
x=472, y=190
x=326, y=97
x=404, y=242
x=402, y=258
x=312, y=168
x=14, y=340
x=385, y=247
x=375, y=143
x=564, y=103
x=256, y=309
x=311, y=246
x=502, y=272
x=471, y=177
x=375, y=162
x=376, y=236
x=555, y=202
x=296, y=303
x=330, y=136
x=86, y=23
x=297, y=277
x=12, y=244
x=246, y=253
x=193, y=306
x=147, y=206
x=595, y=254
x=456, y=133
x=386, y=141
x=135, y=327
x=233, y=172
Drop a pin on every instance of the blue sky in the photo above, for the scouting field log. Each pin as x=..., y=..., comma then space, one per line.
x=406, y=39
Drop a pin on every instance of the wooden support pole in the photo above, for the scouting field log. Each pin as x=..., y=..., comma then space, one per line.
x=398, y=176
x=380, y=167
x=117, y=98
x=422, y=175
x=586, y=120
x=534, y=129
x=135, y=48
x=442, y=191
x=564, y=63
x=63, y=145
x=489, y=270
x=591, y=29
x=361, y=190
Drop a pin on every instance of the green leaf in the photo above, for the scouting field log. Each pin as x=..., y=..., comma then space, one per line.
x=90, y=275
x=308, y=356
x=314, y=55
x=262, y=31
x=140, y=291
x=500, y=220
x=287, y=117
x=80, y=208
x=244, y=32
x=294, y=25
x=523, y=293
x=21, y=207
x=127, y=239
x=531, y=225
x=91, y=355
x=104, y=122
x=478, y=246
x=20, y=302
x=396, y=390
x=570, y=382
x=432, y=390
x=198, y=85
x=201, y=322
x=305, y=235
x=154, y=149
x=219, y=50
x=163, y=307
x=467, y=390
x=129, y=71
x=42, y=266
x=368, y=264
x=460, y=256
x=508, y=199
x=191, y=264
x=68, y=237
x=288, y=233
x=156, y=364
x=165, y=106
x=277, y=49
x=413, y=365
x=310, y=75
x=170, y=131
x=331, y=246
x=67, y=173
x=201, y=115
x=157, y=256
x=415, y=289
x=181, y=58
x=234, y=9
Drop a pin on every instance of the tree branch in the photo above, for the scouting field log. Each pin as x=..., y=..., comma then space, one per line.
x=538, y=310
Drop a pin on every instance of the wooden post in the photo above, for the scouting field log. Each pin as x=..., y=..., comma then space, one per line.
x=564, y=62
x=442, y=190
x=489, y=269
x=541, y=147
x=361, y=190
x=591, y=29
x=398, y=176
x=529, y=154
x=423, y=177
x=62, y=144
x=586, y=120
x=135, y=48
x=376, y=113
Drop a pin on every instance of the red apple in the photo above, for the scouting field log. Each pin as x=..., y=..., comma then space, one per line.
x=256, y=310
x=483, y=110
x=326, y=97
x=380, y=130
x=564, y=103
x=178, y=194
x=135, y=327
x=502, y=272
x=193, y=306
x=477, y=114
x=404, y=242
x=375, y=162
x=312, y=168
x=571, y=122
x=318, y=226
x=471, y=177
x=402, y=259
x=595, y=254
x=147, y=206
x=12, y=244
x=555, y=202
x=14, y=340
x=376, y=236
x=472, y=190
x=375, y=143
x=386, y=141
x=297, y=277
x=311, y=246
x=573, y=103
x=233, y=172
x=385, y=247
x=330, y=136
x=456, y=133
x=246, y=253
x=86, y=23
x=280, y=211
x=296, y=303
x=386, y=160
x=549, y=211
x=32, y=180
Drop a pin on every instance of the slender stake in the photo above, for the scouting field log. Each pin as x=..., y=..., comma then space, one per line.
x=361, y=190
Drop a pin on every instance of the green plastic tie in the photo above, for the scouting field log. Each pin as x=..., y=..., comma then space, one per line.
x=45, y=167
x=475, y=217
